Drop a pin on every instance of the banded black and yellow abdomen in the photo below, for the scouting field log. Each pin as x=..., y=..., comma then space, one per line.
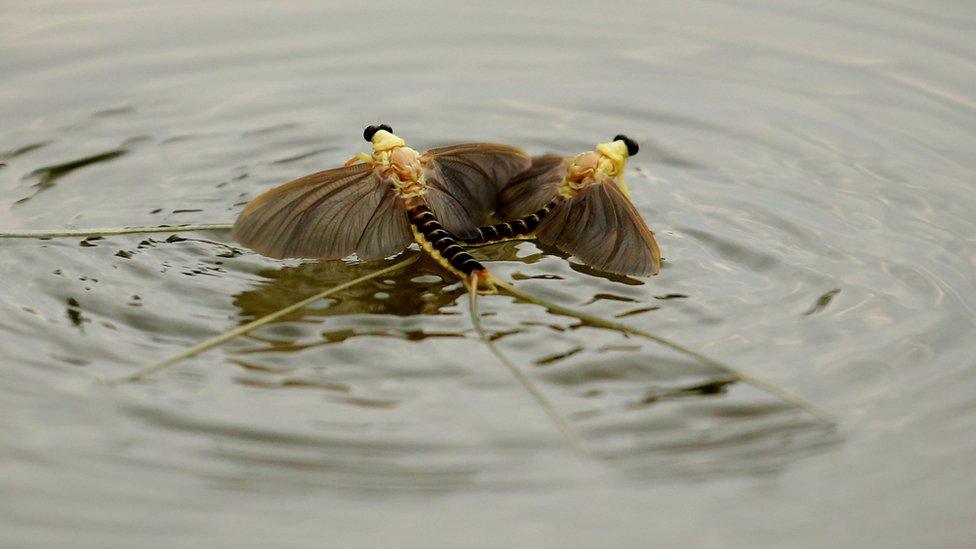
x=439, y=243
x=518, y=228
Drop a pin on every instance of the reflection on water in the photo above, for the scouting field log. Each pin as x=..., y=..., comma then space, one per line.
x=48, y=176
x=646, y=415
x=807, y=171
x=423, y=289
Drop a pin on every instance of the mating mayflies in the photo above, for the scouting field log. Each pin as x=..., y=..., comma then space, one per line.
x=377, y=204
x=582, y=206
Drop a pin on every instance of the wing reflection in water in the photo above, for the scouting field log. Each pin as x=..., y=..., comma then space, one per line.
x=393, y=306
x=420, y=289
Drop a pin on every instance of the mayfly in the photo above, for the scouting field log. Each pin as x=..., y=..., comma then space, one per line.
x=377, y=204
x=581, y=206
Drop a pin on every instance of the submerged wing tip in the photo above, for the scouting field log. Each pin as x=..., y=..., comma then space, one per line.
x=255, y=246
x=651, y=270
x=238, y=233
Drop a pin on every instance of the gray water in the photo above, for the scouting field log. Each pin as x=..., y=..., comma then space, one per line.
x=807, y=167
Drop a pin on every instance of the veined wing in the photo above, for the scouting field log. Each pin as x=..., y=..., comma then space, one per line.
x=326, y=215
x=534, y=188
x=464, y=180
x=602, y=228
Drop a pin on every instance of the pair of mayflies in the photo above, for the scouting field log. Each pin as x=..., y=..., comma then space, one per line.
x=378, y=204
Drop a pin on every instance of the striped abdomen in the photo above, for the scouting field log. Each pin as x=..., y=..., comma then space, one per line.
x=440, y=244
x=521, y=227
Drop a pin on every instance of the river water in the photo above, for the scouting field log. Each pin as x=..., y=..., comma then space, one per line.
x=808, y=170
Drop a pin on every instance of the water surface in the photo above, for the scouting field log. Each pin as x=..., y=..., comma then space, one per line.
x=808, y=170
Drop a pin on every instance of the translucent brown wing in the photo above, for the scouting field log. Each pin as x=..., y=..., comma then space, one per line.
x=388, y=231
x=450, y=211
x=326, y=215
x=464, y=180
x=602, y=228
x=534, y=188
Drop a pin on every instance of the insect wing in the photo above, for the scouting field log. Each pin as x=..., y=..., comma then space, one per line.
x=602, y=228
x=326, y=215
x=464, y=180
x=534, y=188
x=388, y=231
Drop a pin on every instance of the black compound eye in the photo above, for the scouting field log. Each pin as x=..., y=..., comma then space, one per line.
x=632, y=147
x=386, y=127
x=369, y=132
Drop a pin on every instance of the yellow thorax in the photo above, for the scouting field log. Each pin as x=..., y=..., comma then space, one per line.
x=613, y=157
x=384, y=143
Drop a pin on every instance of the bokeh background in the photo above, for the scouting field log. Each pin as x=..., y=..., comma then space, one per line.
x=808, y=170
